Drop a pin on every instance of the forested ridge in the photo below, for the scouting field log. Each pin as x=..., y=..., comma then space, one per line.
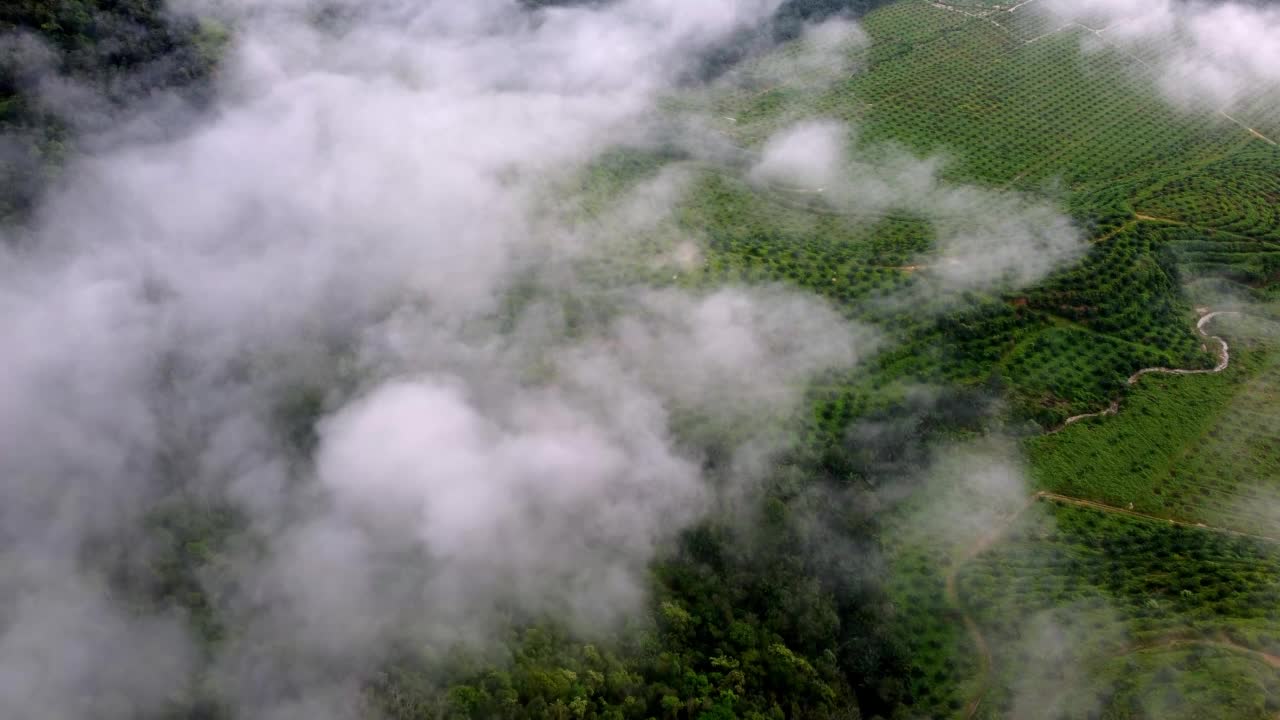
x=84, y=61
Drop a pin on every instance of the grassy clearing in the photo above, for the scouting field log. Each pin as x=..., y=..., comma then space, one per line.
x=1117, y=459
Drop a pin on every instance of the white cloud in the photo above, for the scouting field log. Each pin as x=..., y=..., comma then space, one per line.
x=985, y=238
x=356, y=207
x=1205, y=53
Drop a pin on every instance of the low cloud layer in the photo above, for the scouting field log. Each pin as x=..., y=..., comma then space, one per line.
x=973, y=492
x=371, y=211
x=823, y=53
x=558, y=492
x=357, y=214
x=1205, y=53
x=985, y=238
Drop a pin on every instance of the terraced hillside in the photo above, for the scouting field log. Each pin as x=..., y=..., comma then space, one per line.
x=1167, y=196
x=1198, y=448
x=1179, y=207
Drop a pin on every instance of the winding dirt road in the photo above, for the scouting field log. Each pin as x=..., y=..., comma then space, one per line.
x=1224, y=361
x=1220, y=642
x=952, y=592
x=970, y=625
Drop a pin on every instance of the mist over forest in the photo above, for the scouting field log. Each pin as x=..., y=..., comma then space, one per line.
x=628, y=358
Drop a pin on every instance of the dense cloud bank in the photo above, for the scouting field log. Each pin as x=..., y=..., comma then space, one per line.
x=372, y=216
x=352, y=215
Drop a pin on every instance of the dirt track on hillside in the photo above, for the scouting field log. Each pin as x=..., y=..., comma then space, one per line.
x=1224, y=361
x=1220, y=642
